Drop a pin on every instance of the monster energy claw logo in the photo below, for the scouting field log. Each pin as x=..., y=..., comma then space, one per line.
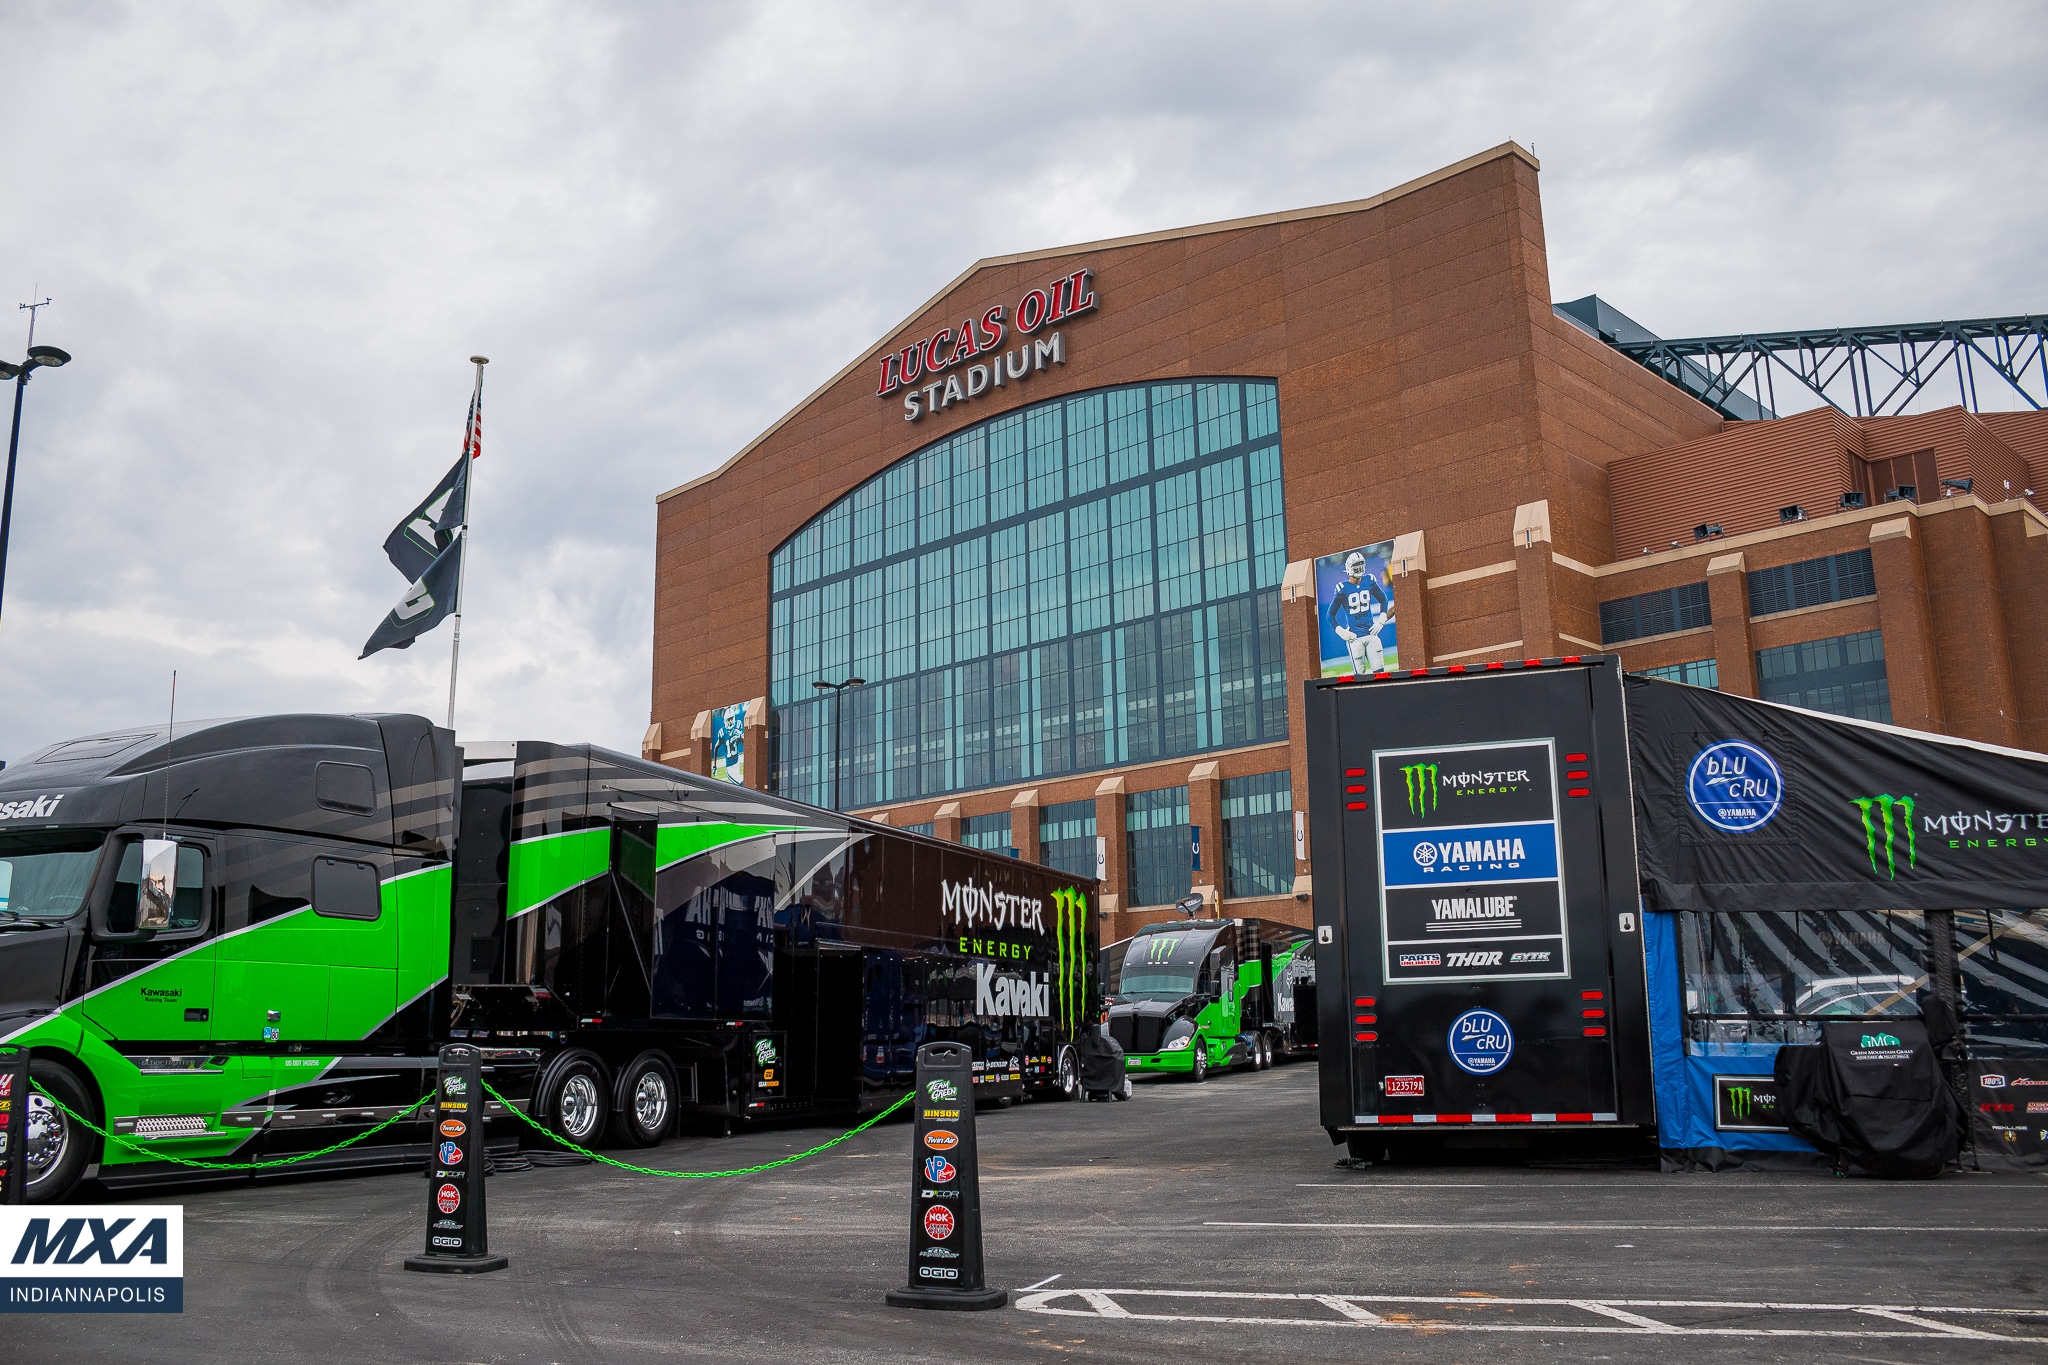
x=1420, y=780
x=1877, y=811
x=1740, y=1100
x=1070, y=949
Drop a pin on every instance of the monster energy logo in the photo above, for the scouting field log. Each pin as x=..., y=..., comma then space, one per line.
x=1877, y=811
x=1420, y=781
x=1070, y=956
x=1741, y=1101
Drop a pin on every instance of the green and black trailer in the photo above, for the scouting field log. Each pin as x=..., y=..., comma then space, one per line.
x=247, y=940
x=1188, y=996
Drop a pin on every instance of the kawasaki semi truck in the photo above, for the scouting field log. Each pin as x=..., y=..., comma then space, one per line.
x=1186, y=997
x=248, y=940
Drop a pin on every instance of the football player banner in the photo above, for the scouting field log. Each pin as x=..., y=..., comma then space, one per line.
x=1355, y=612
x=945, y=1188
x=729, y=744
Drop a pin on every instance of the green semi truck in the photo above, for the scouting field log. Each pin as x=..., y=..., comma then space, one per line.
x=1187, y=997
x=246, y=941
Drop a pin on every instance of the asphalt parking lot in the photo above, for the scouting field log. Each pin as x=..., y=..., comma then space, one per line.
x=1195, y=1222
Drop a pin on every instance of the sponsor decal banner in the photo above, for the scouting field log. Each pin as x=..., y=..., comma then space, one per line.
x=945, y=1201
x=456, y=1226
x=1745, y=806
x=2009, y=1125
x=73, y=1258
x=1356, y=630
x=1471, y=887
x=1747, y=1104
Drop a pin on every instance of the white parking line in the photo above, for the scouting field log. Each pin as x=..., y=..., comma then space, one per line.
x=1604, y=1317
x=1821, y=1228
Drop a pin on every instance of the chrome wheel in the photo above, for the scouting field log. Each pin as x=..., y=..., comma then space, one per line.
x=579, y=1107
x=650, y=1101
x=47, y=1137
x=1070, y=1074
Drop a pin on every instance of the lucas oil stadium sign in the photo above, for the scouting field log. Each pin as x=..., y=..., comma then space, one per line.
x=974, y=349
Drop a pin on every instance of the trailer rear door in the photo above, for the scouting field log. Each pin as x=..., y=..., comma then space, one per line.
x=1488, y=928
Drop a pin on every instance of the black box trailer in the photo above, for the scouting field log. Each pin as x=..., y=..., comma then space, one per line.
x=1549, y=896
x=248, y=940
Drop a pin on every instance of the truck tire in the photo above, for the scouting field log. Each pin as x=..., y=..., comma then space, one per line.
x=59, y=1149
x=1069, y=1075
x=1264, y=1061
x=574, y=1098
x=1199, y=1070
x=644, y=1101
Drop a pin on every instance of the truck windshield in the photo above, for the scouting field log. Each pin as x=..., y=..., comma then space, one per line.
x=46, y=875
x=1161, y=966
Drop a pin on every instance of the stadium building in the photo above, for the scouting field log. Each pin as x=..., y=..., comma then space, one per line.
x=1083, y=523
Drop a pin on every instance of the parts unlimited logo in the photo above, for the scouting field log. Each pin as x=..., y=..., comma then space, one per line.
x=1419, y=781
x=1891, y=816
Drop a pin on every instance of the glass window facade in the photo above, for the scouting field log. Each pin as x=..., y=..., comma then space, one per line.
x=1698, y=672
x=1087, y=582
x=991, y=832
x=1258, y=835
x=1066, y=837
x=1843, y=675
x=1655, y=613
x=1812, y=582
x=1161, y=846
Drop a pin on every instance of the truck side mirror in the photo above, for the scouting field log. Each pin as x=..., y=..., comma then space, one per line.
x=158, y=890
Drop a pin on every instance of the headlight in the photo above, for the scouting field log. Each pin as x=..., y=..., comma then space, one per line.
x=1179, y=1044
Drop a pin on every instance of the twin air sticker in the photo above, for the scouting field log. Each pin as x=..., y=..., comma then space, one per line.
x=942, y=1139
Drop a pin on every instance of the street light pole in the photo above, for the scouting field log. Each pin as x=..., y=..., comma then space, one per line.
x=837, y=690
x=39, y=357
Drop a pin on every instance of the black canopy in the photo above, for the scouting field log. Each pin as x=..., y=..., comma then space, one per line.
x=1748, y=805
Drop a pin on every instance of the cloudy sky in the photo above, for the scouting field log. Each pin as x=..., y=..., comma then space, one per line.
x=274, y=233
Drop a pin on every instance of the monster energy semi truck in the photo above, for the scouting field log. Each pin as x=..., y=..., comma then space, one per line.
x=1189, y=996
x=248, y=940
x=1476, y=903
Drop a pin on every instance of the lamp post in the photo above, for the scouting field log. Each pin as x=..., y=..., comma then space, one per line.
x=837, y=689
x=39, y=358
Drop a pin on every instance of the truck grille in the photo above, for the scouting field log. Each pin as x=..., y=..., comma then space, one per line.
x=1137, y=1032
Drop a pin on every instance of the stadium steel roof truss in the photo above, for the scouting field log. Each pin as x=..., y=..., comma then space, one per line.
x=1863, y=371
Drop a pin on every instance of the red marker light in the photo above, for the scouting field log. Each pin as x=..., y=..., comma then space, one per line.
x=1353, y=791
x=1579, y=791
x=1569, y=659
x=1592, y=995
x=1354, y=772
x=1365, y=1002
x=1596, y=1032
x=1532, y=663
x=1418, y=672
x=1492, y=667
x=1381, y=674
x=1592, y=1014
x=1368, y=1037
x=1457, y=668
x=1575, y=758
x=1357, y=805
x=1580, y=776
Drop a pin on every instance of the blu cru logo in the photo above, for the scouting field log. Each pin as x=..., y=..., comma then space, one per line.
x=1735, y=786
x=1481, y=1042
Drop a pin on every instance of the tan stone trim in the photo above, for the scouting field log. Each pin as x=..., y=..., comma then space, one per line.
x=1727, y=564
x=1025, y=798
x=1808, y=611
x=1409, y=555
x=1501, y=648
x=1467, y=575
x=949, y=811
x=1298, y=580
x=1588, y=644
x=1505, y=149
x=675, y=753
x=1167, y=770
x=1654, y=639
x=1565, y=561
x=1532, y=523
x=1722, y=544
x=1206, y=771
x=1901, y=529
x=1304, y=885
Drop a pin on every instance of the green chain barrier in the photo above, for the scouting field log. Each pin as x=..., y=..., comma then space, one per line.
x=696, y=1175
x=133, y=1145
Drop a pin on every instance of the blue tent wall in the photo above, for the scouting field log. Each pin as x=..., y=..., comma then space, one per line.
x=1685, y=1070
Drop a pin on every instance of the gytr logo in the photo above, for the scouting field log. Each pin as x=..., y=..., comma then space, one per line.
x=93, y=1260
x=1878, y=814
x=1419, y=780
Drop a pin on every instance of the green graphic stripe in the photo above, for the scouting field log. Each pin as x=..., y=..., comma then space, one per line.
x=675, y=843
x=328, y=979
x=561, y=1141
x=538, y=870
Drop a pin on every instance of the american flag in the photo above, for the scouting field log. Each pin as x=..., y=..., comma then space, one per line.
x=473, y=434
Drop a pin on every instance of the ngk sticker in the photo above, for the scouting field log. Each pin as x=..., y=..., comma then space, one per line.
x=942, y=1139
x=938, y=1222
x=448, y=1199
x=453, y=1127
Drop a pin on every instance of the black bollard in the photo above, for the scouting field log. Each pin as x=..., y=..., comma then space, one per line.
x=458, y=1238
x=945, y=1190
x=14, y=1125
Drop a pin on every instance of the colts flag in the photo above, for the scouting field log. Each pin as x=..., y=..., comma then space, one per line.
x=427, y=548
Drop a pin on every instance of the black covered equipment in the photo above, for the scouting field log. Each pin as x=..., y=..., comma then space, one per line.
x=1102, y=1065
x=1871, y=1096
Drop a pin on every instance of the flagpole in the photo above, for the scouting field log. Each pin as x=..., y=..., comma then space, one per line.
x=472, y=442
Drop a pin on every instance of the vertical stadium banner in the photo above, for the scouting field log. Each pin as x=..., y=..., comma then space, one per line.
x=1749, y=805
x=729, y=744
x=1355, y=612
